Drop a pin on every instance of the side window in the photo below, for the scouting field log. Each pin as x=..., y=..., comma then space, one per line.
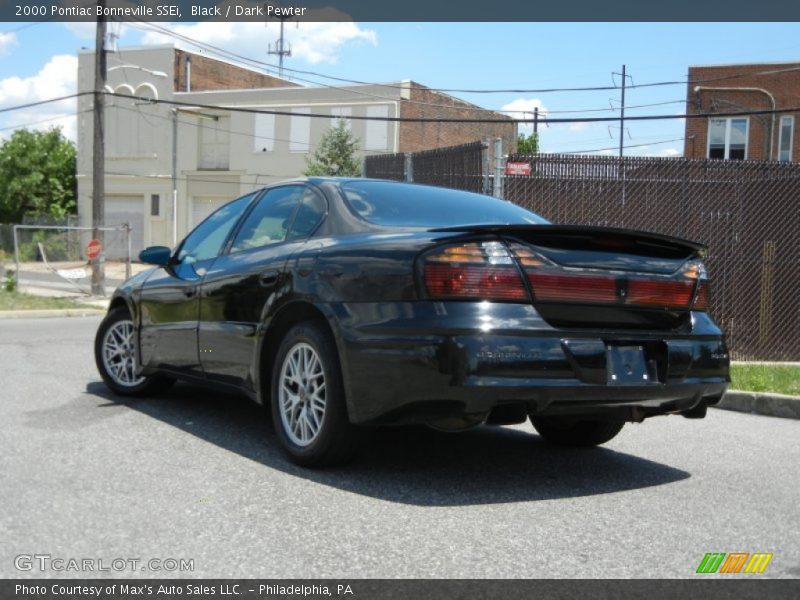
x=269, y=221
x=207, y=238
x=310, y=213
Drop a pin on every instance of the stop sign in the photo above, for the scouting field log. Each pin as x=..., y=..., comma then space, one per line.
x=93, y=249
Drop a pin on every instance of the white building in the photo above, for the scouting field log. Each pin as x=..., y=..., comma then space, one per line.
x=219, y=154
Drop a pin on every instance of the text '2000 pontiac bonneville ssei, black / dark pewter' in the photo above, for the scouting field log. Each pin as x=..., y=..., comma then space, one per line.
x=341, y=304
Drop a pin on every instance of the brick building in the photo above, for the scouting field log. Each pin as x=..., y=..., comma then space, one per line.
x=423, y=102
x=168, y=167
x=738, y=88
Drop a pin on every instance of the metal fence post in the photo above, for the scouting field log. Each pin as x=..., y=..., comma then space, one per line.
x=16, y=257
x=408, y=167
x=485, y=167
x=128, y=261
x=497, y=190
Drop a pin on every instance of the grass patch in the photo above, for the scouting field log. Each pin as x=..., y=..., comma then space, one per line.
x=780, y=379
x=19, y=301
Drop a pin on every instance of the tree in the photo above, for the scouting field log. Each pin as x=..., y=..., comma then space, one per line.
x=37, y=175
x=336, y=153
x=528, y=144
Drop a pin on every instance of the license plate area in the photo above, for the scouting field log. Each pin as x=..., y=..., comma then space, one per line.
x=632, y=364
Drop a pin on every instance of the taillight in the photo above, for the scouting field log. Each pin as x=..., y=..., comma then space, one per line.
x=695, y=270
x=479, y=270
x=660, y=293
x=573, y=288
x=552, y=283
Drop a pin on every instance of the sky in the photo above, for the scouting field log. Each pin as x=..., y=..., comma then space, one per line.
x=38, y=61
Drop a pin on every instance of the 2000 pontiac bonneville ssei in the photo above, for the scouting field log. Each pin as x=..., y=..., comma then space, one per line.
x=341, y=303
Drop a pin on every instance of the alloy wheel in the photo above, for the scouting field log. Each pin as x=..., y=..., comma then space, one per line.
x=301, y=394
x=119, y=354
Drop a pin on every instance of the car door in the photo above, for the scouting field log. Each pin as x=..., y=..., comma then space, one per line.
x=244, y=282
x=169, y=298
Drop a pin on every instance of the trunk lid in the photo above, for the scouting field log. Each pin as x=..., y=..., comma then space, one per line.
x=601, y=277
x=590, y=247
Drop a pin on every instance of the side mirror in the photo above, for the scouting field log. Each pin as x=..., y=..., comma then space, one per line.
x=156, y=255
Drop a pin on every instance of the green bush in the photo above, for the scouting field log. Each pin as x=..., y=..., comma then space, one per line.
x=10, y=281
x=56, y=247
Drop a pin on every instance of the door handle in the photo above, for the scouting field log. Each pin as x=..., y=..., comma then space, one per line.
x=268, y=278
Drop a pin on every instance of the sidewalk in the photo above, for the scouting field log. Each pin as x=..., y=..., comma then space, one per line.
x=761, y=403
x=49, y=313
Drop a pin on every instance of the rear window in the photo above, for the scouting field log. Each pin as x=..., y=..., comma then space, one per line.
x=408, y=205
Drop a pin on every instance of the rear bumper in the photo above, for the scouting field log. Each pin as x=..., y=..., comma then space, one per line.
x=416, y=361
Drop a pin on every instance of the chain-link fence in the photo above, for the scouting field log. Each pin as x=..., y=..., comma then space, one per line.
x=52, y=257
x=460, y=167
x=748, y=213
x=385, y=166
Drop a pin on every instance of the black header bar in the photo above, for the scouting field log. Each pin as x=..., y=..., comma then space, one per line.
x=407, y=10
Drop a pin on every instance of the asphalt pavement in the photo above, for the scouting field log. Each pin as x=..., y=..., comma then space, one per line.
x=198, y=475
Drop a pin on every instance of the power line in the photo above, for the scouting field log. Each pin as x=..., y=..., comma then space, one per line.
x=206, y=179
x=238, y=57
x=42, y=102
x=241, y=109
x=617, y=147
x=507, y=120
x=232, y=132
x=274, y=67
x=21, y=125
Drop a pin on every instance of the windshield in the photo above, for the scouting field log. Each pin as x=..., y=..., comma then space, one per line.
x=393, y=204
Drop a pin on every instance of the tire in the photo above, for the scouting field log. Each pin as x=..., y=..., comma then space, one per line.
x=576, y=432
x=114, y=352
x=309, y=411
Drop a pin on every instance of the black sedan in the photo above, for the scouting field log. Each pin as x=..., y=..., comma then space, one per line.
x=343, y=303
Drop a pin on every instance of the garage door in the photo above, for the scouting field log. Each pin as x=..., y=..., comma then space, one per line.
x=202, y=206
x=119, y=210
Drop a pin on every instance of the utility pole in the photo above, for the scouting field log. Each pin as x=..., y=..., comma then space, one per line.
x=99, y=158
x=174, y=177
x=536, y=120
x=280, y=50
x=622, y=113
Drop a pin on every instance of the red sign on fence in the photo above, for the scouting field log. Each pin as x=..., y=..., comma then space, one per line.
x=518, y=168
x=93, y=249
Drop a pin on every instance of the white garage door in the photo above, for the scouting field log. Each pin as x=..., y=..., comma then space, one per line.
x=119, y=210
x=202, y=206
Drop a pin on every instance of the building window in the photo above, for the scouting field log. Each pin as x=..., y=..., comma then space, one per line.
x=341, y=112
x=155, y=205
x=214, y=140
x=727, y=138
x=300, y=130
x=264, y=134
x=785, y=138
x=377, y=131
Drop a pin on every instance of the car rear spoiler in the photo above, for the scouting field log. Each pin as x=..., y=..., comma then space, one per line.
x=589, y=236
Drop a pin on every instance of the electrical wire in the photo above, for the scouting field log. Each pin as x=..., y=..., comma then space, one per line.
x=29, y=124
x=508, y=120
x=232, y=132
x=274, y=67
x=42, y=102
x=617, y=147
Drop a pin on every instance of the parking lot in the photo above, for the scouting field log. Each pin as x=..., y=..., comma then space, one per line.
x=198, y=475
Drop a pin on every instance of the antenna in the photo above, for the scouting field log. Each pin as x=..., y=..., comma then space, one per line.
x=282, y=48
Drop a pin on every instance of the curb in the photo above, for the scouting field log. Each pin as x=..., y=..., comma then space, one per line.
x=759, y=403
x=49, y=313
